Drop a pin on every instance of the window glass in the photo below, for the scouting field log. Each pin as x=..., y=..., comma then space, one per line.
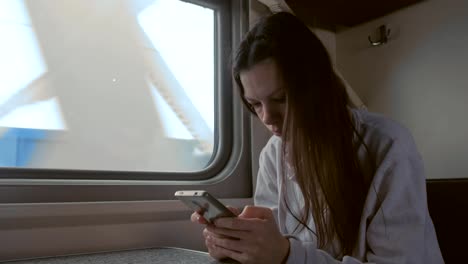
x=107, y=85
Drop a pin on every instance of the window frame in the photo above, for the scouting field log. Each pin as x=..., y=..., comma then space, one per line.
x=228, y=175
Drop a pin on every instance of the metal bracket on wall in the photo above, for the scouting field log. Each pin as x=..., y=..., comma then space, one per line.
x=384, y=35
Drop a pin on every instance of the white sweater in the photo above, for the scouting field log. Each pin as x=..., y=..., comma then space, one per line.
x=395, y=228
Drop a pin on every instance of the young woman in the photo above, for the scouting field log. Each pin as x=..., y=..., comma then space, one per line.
x=335, y=184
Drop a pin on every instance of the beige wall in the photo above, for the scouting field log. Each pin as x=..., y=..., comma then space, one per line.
x=419, y=78
x=328, y=39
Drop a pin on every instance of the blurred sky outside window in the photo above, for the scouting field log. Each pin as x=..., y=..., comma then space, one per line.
x=20, y=64
x=182, y=33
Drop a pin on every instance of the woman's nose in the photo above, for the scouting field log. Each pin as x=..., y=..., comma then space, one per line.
x=268, y=116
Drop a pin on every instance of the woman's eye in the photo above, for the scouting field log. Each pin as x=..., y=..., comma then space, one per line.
x=280, y=99
x=256, y=105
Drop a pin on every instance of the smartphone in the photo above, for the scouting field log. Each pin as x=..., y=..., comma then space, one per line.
x=205, y=204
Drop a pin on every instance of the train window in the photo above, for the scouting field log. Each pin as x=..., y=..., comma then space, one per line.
x=119, y=92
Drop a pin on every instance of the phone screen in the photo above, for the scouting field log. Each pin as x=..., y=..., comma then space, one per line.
x=205, y=204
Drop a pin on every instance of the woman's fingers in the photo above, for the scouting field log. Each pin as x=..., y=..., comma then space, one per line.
x=223, y=232
x=235, y=210
x=207, y=232
x=213, y=251
x=258, y=239
x=194, y=217
x=226, y=253
x=247, y=219
x=228, y=243
x=256, y=212
x=252, y=237
x=235, y=223
x=197, y=218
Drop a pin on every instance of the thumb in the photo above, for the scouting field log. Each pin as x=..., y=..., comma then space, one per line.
x=256, y=212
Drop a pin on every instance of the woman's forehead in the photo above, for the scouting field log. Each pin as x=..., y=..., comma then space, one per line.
x=261, y=80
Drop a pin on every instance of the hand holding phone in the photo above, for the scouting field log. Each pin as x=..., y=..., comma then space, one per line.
x=205, y=204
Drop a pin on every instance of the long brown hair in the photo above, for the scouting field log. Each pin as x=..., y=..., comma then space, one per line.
x=318, y=127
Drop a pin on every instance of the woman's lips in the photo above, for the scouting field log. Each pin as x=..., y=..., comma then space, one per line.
x=276, y=132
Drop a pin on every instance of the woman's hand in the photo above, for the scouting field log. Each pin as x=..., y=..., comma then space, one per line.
x=252, y=237
x=197, y=217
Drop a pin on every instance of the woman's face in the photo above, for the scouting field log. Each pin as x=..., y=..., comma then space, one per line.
x=263, y=90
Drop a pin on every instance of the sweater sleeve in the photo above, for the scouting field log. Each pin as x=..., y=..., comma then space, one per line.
x=397, y=223
x=306, y=252
x=266, y=192
x=401, y=230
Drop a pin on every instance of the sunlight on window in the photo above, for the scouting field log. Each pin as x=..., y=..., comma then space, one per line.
x=173, y=126
x=183, y=34
x=21, y=63
x=36, y=115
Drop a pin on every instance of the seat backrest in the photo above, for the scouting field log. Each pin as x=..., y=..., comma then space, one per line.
x=448, y=207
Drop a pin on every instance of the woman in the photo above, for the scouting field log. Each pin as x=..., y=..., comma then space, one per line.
x=335, y=185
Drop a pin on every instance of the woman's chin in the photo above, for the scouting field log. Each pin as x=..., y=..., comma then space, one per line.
x=278, y=134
